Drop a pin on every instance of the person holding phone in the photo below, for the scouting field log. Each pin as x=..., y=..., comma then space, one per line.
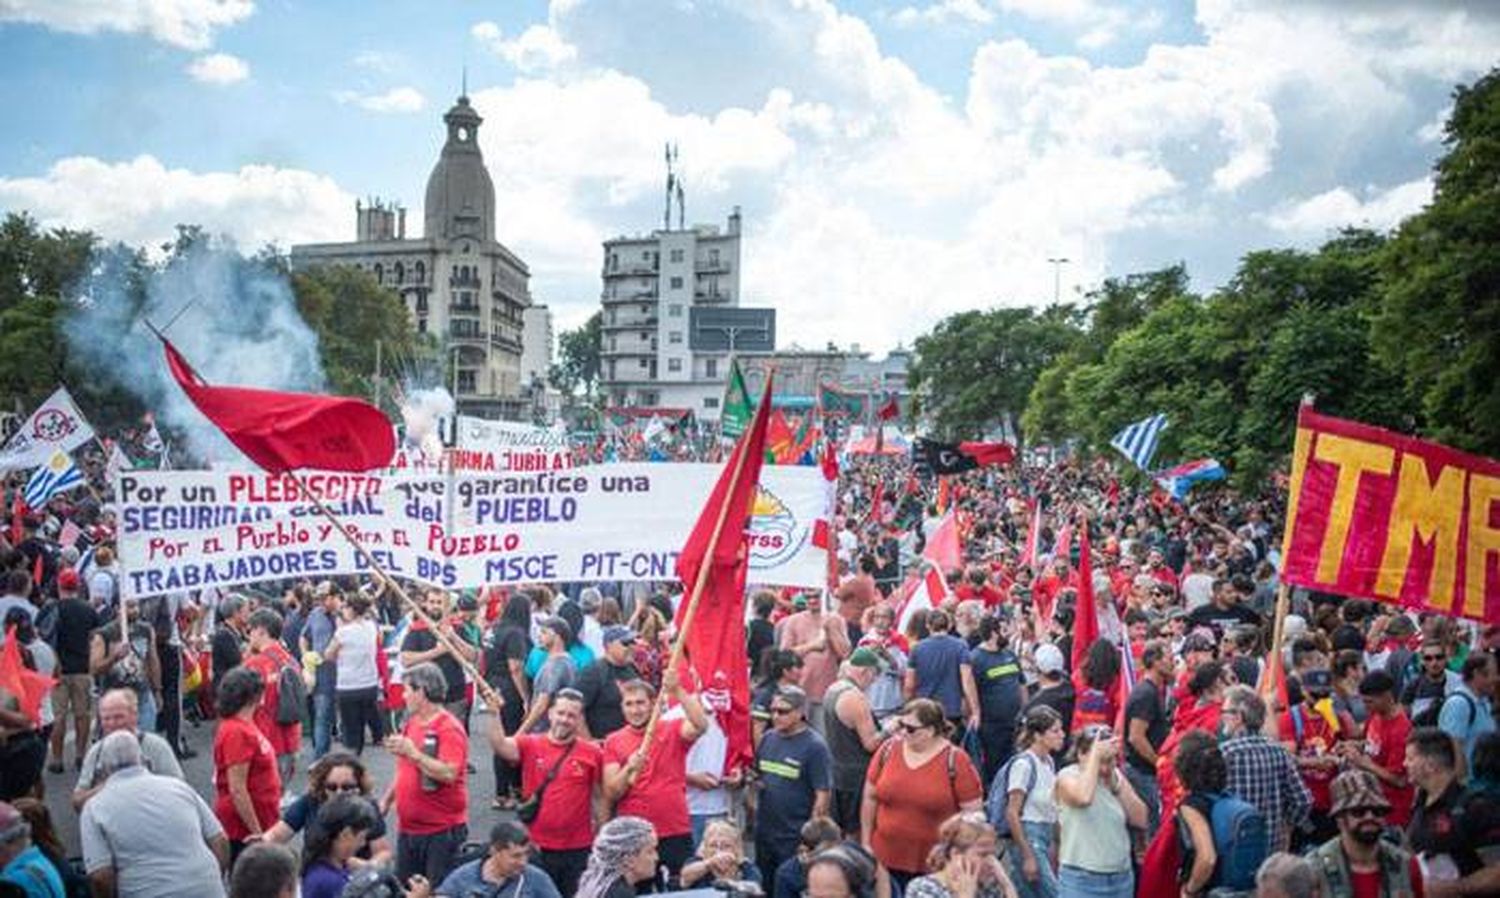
x=1096, y=805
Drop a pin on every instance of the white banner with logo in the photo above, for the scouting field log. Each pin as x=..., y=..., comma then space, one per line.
x=485, y=446
x=57, y=424
x=187, y=530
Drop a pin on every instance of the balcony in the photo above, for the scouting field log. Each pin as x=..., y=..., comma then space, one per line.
x=463, y=308
x=707, y=296
x=471, y=282
x=631, y=349
x=634, y=323
x=467, y=338
x=706, y=266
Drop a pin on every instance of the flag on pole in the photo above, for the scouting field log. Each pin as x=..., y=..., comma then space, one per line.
x=56, y=425
x=1127, y=685
x=57, y=476
x=28, y=686
x=1178, y=480
x=285, y=431
x=890, y=407
x=734, y=414
x=713, y=639
x=1138, y=441
x=956, y=458
x=922, y=594
x=943, y=547
x=1086, y=617
x=1032, y=549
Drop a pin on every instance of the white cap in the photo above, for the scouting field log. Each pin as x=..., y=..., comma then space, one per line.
x=1049, y=658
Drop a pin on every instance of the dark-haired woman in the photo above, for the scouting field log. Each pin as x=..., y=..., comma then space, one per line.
x=247, y=784
x=1031, y=806
x=354, y=650
x=337, y=774
x=342, y=829
x=1203, y=773
x=505, y=650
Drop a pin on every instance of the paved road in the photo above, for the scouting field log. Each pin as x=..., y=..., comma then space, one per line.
x=199, y=773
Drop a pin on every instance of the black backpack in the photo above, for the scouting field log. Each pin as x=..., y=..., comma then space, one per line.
x=1431, y=713
x=291, y=696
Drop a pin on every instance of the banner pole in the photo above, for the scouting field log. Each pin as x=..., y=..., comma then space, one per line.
x=491, y=697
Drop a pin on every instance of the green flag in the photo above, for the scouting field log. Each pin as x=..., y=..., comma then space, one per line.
x=734, y=417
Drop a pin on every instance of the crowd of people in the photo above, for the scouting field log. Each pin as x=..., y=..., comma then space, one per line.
x=961, y=747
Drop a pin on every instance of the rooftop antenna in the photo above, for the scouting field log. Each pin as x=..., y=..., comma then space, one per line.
x=672, y=186
x=464, y=87
x=681, y=206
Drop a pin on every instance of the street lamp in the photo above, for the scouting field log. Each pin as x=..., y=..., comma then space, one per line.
x=1057, y=264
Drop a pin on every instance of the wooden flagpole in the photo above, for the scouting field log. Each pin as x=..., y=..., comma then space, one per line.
x=1283, y=590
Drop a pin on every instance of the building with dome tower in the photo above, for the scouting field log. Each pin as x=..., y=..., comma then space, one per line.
x=458, y=281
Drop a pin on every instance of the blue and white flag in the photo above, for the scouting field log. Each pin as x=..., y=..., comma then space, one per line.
x=1138, y=441
x=1180, y=479
x=58, y=475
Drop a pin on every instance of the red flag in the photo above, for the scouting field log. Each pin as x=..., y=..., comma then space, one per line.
x=28, y=686
x=876, y=502
x=1272, y=685
x=922, y=595
x=989, y=453
x=943, y=547
x=714, y=639
x=17, y=519
x=1085, y=616
x=781, y=440
x=890, y=409
x=1033, y=537
x=285, y=431
x=823, y=536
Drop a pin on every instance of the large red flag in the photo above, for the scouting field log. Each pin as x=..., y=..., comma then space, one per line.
x=285, y=431
x=1085, y=616
x=988, y=453
x=714, y=639
x=1032, y=549
x=28, y=686
x=943, y=549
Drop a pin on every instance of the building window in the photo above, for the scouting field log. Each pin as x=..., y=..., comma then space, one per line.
x=466, y=382
x=645, y=308
x=646, y=256
x=674, y=337
x=641, y=363
x=421, y=273
x=674, y=310
x=674, y=365
x=614, y=262
x=379, y=273
x=421, y=325
x=675, y=255
x=400, y=273
x=422, y=303
x=710, y=367
x=676, y=283
x=645, y=335
x=611, y=316
x=710, y=402
x=613, y=344
x=713, y=258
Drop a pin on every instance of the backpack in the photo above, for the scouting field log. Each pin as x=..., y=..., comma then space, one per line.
x=1434, y=710
x=46, y=623
x=1241, y=839
x=999, y=798
x=291, y=696
x=952, y=757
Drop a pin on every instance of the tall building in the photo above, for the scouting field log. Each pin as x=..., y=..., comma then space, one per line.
x=657, y=288
x=459, y=283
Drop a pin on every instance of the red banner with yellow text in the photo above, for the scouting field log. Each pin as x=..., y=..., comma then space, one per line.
x=1384, y=516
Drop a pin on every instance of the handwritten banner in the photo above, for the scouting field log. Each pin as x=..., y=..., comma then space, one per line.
x=186, y=530
x=1384, y=516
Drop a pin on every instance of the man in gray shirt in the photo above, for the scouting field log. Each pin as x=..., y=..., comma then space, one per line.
x=149, y=836
x=557, y=672
x=118, y=713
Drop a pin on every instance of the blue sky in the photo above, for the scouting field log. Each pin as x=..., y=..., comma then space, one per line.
x=896, y=160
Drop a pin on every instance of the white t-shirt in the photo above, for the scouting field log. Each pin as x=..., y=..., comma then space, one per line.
x=707, y=756
x=355, y=663
x=1040, y=805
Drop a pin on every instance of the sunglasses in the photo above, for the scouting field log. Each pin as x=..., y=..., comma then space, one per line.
x=907, y=727
x=781, y=711
x=1431, y=658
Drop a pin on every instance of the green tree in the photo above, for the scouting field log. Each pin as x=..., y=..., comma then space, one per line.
x=1438, y=322
x=351, y=315
x=578, y=365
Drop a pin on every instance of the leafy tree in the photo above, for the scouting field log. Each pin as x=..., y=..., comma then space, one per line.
x=1438, y=322
x=578, y=363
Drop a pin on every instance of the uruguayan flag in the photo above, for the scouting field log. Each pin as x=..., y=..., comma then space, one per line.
x=1138, y=441
x=58, y=475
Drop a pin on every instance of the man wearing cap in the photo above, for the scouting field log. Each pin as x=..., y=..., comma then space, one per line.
x=557, y=672
x=1357, y=862
x=852, y=735
x=794, y=774
x=72, y=696
x=22, y=863
x=600, y=682
x=1054, y=689
x=322, y=621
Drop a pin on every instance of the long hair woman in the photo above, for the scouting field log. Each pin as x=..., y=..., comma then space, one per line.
x=333, y=841
x=335, y=775
x=505, y=651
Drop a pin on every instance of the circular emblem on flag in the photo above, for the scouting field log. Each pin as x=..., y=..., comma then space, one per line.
x=774, y=534
x=53, y=425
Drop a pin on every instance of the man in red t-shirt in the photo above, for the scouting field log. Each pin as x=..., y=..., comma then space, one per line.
x=1383, y=752
x=1311, y=740
x=268, y=658
x=566, y=771
x=430, y=792
x=652, y=783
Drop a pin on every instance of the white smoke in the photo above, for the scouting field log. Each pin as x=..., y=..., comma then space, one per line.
x=235, y=320
x=421, y=411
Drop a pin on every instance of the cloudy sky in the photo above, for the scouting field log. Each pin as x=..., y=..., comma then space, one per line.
x=896, y=160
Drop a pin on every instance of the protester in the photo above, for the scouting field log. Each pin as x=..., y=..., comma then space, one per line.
x=852, y=735
x=623, y=856
x=314, y=637
x=505, y=652
x=430, y=792
x=561, y=776
x=22, y=863
x=504, y=871
x=1023, y=796
x=815, y=836
x=341, y=830
x=335, y=775
x=891, y=648
x=266, y=871
x=601, y=681
x=1054, y=689
x=151, y=836
x=269, y=658
x=352, y=650
x=1288, y=876
x=720, y=859
x=120, y=663
x=422, y=646
x=1468, y=712
x=231, y=639
x=45, y=837
x=795, y=780
x=783, y=668
x=247, y=782
x=1383, y=750
x=914, y=784
x=118, y=713
x=997, y=675
x=1260, y=771
x=558, y=672
x=842, y=871
x=940, y=670
x=963, y=863
x=72, y=698
x=1478, y=811
x=1358, y=861
x=1095, y=806
x=822, y=642
x=1425, y=695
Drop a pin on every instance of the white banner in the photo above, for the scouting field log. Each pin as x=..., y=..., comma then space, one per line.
x=187, y=530
x=57, y=424
x=487, y=447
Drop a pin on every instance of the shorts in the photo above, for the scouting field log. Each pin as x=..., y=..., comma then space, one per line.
x=75, y=692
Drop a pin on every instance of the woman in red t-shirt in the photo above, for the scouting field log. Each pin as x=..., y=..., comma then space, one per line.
x=269, y=658
x=247, y=786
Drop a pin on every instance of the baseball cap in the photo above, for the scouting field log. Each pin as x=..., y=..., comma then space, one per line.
x=863, y=657
x=617, y=633
x=1049, y=658
x=67, y=580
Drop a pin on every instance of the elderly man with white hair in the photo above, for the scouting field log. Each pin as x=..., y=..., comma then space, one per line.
x=119, y=713
x=147, y=835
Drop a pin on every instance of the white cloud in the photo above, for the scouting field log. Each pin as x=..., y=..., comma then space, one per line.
x=538, y=49
x=377, y=61
x=218, y=68
x=1339, y=207
x=395, y=100
x=142, y=201
x=183, y=23
x=945, y=11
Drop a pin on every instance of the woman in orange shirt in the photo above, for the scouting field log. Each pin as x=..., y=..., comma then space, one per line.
x=914, y=783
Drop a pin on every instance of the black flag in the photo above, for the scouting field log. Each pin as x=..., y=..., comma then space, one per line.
x=942, y=458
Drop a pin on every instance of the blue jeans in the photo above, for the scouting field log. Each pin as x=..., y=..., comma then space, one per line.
x=146, y=715
x=1076, y=882
x=1146, y=786
x=322, y=715
x=1039, y=837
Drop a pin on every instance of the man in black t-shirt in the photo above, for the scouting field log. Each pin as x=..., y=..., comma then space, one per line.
x=600, y=682
x=76, y=622
x=1224, y=612
x=1146, y=726
x=229, y=640
x=422, y=645
x=1435, y=829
